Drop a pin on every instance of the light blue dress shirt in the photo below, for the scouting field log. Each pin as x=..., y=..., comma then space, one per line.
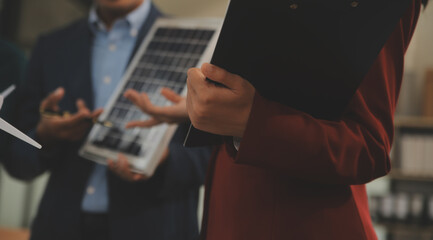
x=111, y=51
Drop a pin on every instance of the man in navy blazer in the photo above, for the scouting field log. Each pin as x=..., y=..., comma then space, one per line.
x=63, y=74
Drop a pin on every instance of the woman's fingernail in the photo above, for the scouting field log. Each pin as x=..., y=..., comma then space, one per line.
x=209, y=68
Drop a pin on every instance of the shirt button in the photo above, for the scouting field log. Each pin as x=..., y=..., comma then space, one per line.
x=293, y=6
x=112, y=47
x=354, y=4
x=90, y=190
x=107, y=80
x=133, y=32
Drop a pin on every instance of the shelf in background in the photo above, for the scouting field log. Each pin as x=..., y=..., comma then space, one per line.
x=402, y=227
x=414, y=122
x=398, y=175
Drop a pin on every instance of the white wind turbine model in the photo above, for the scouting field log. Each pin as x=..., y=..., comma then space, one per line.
x=5, y=126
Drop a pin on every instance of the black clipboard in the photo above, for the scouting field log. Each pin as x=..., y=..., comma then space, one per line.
x=311, y=55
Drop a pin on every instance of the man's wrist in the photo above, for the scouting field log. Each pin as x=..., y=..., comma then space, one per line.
x=43, y=136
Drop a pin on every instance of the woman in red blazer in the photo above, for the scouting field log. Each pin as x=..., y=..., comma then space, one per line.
x=294, y=176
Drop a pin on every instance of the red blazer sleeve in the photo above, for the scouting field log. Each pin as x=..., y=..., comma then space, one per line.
x=354, y=150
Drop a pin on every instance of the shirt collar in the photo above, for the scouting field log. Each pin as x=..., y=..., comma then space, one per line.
x=135, y=18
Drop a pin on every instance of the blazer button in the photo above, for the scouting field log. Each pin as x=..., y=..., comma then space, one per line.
x=354, y=4
x=90, y=190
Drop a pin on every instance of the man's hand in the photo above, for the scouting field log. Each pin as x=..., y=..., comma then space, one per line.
x=70, y=128
x=175, y=113
x=122, y=168
x=221, y=108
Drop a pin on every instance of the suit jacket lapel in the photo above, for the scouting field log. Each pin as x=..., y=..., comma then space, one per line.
x=79, y=83
x=154, y=13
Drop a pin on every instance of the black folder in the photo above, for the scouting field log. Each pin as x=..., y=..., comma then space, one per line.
x=311, y=55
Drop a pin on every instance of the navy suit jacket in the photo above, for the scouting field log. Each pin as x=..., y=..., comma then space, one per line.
x=163, y=207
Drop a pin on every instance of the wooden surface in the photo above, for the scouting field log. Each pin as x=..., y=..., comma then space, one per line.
x=14, y=234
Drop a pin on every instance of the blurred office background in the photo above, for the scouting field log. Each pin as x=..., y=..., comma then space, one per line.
x=401, y=203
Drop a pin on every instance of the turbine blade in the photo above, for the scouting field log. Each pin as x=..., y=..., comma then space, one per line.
x=8, y=91
x=5, y=126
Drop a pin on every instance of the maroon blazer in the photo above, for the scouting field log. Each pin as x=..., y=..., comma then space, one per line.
x=297, y=177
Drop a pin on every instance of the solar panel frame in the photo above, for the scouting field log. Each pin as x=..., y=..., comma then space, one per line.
x=158, y=137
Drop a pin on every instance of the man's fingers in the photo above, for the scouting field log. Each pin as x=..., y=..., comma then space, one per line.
x=133, y=124
x=81, y=106
x=138, y=177
x=171, y=95
x=74, y=133
x=144, y=124
x=95, y=114
x=52, y=100
x=123, y=162
x=140, y=100
x=110, y=164
x=125, y=170
x=122, y=169
x=75, y=119
x=123, y=165
x=134, y=96
x=170, y=114
x=220, y=75
x=114, y=167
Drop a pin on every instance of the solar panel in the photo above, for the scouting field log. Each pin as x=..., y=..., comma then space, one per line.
x=171, y=47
